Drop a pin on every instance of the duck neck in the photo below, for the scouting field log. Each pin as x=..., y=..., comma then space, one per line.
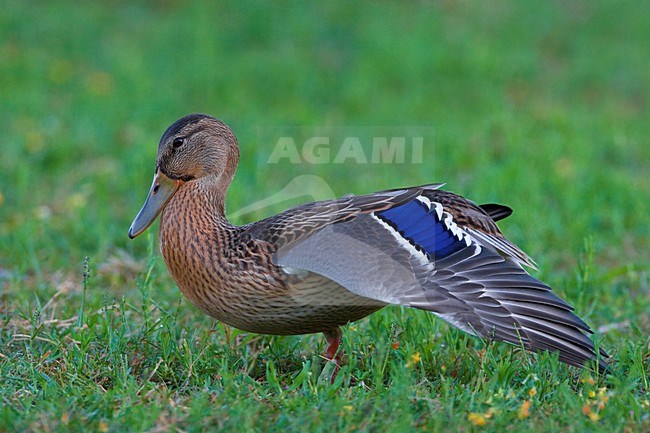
x=211, y=198
x=198, y=204
x=193, y=235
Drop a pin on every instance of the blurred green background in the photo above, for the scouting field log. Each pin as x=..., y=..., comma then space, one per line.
x=540, y=105
x=543, y=106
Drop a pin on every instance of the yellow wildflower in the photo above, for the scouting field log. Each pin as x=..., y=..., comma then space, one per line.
x=415, y=358
x=593, y=416
x=478, y=419
x=532, y=392
x=524, y=410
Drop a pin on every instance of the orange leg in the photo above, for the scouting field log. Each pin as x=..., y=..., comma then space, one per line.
x=333, y=338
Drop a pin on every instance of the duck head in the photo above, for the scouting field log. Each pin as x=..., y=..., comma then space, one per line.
x=195, y=148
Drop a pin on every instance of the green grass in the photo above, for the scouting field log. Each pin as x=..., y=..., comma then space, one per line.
x=539, y=105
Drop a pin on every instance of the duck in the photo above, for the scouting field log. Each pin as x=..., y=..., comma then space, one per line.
x=319, y=266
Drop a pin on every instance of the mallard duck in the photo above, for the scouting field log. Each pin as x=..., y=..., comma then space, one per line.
x=321, y=265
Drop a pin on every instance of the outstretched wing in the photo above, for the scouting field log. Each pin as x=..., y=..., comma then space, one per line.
x=433, y=250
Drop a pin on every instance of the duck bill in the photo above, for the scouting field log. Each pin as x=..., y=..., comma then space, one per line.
x=162, y=190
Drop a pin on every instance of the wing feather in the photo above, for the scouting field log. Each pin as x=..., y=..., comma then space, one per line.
x=481, y=288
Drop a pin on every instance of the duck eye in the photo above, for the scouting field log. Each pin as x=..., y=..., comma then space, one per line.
x=178, y=142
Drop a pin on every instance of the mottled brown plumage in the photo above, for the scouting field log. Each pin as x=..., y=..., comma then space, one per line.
x=321, y=265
